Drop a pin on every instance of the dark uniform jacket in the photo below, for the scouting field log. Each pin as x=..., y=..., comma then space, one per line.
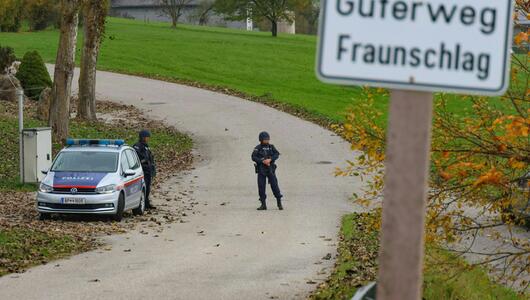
x=146, y=158
x=262, y=152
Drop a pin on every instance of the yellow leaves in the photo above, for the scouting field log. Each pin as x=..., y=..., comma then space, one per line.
x=445, y=175
x=517, y=164
x=498, y=121
x=502, y=148
x=493, y=177
x=518, y=127
x=520, y=38
x=468, y=165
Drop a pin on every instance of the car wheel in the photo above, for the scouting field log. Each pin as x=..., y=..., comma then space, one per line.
x=44, y=216
x=121, y=205
x=141, y=207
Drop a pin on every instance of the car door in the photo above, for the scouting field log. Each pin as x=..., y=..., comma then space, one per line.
x=124, y=165
x=134, y=182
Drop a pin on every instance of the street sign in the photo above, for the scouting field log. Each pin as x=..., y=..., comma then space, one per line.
x=414, y=47
x=428, y=45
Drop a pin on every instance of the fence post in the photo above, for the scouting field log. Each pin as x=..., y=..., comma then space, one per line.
x=20, y=93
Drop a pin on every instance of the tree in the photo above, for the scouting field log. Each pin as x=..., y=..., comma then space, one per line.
x=33, y=75
x=271, y=10
x=64, y=69
x=480, y=164
x=41, y=13
x=173, y=9
x=10, y=15
x=309, y=11
x=7, y=57
x=94, y=14
x=203, y=11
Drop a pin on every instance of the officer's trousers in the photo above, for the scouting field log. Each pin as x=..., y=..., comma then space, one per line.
x=273, y=181
x=147, y=179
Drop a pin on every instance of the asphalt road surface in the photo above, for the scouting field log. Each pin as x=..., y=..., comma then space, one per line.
x=242, y=253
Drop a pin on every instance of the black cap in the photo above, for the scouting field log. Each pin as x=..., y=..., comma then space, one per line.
x=264, y=136
x=144, y=133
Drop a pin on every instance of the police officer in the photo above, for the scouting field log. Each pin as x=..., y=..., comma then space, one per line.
x=265, y=156
x=148, y=163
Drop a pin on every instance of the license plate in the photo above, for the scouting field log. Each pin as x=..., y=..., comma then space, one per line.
x=71, y=200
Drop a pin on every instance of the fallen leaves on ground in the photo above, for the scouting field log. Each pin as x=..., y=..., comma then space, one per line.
x=26, y=241
x=356, y=263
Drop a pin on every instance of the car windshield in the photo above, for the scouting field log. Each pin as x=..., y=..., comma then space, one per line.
x=86, y=161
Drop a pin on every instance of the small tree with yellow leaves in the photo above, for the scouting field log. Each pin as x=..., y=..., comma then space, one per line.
x=479, y=169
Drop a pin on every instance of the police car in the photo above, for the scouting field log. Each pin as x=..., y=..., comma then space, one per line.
x=93, y=177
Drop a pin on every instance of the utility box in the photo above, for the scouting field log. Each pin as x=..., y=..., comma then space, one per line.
x=37, y=149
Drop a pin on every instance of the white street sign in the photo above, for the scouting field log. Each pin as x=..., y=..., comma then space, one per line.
x=431, y=45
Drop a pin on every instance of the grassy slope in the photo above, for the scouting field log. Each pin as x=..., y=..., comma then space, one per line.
x=24, y=247
x=356, y=264
x=254, y=63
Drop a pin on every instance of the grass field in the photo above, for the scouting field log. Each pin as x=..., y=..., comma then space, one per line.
x=281, y=69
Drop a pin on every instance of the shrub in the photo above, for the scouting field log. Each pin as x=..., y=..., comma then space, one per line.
x=7, y=57
x=10, y=15
x=41, y=13
x=33, y=75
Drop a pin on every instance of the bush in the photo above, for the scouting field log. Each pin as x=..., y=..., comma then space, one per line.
x=10, y=15
x=7, y=57
x=33, y=75
x=41, y=13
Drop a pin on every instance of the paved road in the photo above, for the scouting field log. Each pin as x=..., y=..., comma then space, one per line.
x=244, y=254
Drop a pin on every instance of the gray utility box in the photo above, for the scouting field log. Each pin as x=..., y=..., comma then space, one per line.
x=37, y=145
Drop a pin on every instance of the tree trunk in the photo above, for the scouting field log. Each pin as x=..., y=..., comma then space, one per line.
x=94, y=12
x=174, y=17
x=274, y=28
x=64, y=69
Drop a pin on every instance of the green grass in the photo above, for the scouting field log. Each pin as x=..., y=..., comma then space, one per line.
x=446, y=277
x=22, y=247
x=254, y=63
x=9, y=151
x=473, y=284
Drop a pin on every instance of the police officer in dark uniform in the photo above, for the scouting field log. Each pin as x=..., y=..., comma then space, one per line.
x=148, y=163
x=265, y=156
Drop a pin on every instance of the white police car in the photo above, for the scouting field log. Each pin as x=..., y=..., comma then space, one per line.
x=93, y=177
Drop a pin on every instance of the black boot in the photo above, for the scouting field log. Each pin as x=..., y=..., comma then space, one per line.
x=279, y=202
x=149, y=206
x=263, y=205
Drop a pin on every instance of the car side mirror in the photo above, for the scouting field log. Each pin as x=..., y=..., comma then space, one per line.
x=128, y=173
x=45, y=172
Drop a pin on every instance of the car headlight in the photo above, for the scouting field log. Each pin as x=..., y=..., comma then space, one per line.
x=107, y=189
x=44, y=188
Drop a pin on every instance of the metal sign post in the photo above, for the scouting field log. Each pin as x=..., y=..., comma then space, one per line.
x=414, y=48
x=20, y=94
